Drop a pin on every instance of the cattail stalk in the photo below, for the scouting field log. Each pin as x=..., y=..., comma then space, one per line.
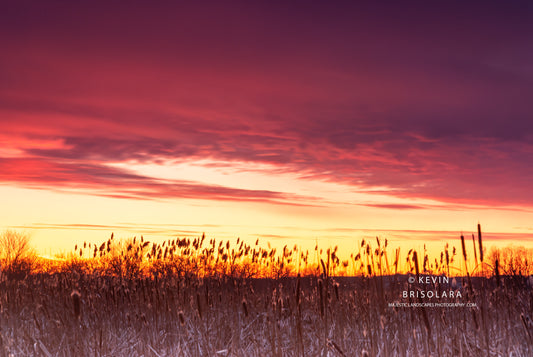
x=474, y=244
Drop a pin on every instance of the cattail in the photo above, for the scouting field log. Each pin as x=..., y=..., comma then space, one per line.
x=75, y=295
x=245, y=307
x=324, y=267
x=181, y=317
x=463, y=247
x=415, y=259
x=480, y=242
x=474, y=243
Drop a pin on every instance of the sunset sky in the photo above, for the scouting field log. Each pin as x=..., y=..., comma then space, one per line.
x=288, y=121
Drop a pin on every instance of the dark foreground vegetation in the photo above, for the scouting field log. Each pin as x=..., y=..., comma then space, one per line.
x=242, y=301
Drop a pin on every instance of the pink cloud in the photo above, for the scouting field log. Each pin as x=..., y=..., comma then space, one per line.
x=102, y=180
x=353, y=94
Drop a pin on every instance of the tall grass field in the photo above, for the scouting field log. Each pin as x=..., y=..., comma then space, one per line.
x=203, y=297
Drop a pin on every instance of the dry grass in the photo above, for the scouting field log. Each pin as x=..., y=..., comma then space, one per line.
x=198, y=298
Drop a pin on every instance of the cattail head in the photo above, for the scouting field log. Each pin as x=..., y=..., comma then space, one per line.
x=463, y=246
x=75, y=296
x=480, y=242
x=181, y=317
x=415, y=259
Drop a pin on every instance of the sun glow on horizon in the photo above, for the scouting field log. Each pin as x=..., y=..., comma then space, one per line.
x=58, y=221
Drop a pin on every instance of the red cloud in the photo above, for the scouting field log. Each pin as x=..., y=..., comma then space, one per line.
x=355, y=95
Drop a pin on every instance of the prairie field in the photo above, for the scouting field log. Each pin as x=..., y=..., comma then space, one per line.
x=199, y=297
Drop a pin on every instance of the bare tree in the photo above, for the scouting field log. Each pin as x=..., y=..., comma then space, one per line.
x=512, y=260
x=16, y=254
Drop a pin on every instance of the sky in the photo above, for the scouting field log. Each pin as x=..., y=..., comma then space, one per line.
x=303, y=121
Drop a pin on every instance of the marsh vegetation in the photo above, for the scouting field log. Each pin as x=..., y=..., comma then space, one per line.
x=202, y=297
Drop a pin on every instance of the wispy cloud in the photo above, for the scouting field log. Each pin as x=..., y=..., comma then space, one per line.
x=113, y=182
x=394, y=206
x=339, y=233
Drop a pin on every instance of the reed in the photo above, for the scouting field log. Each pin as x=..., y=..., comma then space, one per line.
x=76, y=297
x=480, y=242
x=474, y=244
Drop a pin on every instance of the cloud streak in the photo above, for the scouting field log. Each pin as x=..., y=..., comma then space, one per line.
x=112, y=182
